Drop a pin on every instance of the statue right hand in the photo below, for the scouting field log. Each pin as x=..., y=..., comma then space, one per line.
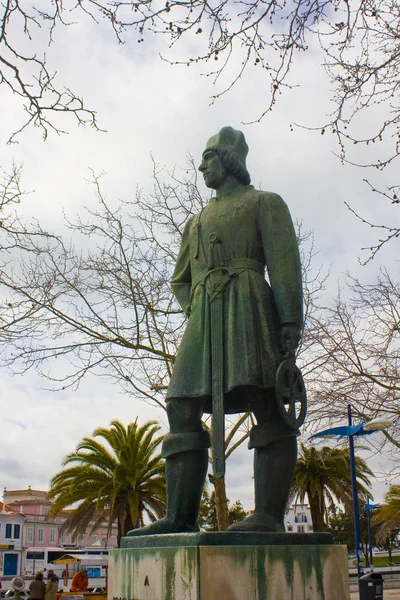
x=290, y=337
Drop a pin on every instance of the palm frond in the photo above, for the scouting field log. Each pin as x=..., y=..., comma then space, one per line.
x=116, y=484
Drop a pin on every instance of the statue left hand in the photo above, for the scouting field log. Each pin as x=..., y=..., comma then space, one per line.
x=290, y=337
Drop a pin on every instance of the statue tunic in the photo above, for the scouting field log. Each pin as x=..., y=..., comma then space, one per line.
x=255, y=237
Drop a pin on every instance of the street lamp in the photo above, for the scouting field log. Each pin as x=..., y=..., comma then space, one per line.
x=351, y=431
x=368, y=507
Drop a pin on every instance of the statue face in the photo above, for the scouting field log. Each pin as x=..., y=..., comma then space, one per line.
x=213, y=169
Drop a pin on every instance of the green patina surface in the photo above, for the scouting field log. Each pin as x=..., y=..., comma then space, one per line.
x=181, y=568
x=310, y=561
x=184, y=560
x=178, y=562
x=169, y=573
x=238, y=278
x=226, y=538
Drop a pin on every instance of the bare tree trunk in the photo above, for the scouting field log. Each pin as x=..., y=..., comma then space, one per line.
x=390, y=549
x=221, y=502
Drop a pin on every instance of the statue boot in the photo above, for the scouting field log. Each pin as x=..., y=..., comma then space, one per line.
x=273, y=474
x=186, y=457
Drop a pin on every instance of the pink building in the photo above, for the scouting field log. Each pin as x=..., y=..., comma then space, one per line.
x=31, y=508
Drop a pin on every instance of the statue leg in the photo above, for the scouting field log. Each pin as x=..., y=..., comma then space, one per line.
x=185, y=450
x=275, y=455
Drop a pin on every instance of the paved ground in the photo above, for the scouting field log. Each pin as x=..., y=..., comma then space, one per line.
x=387, y=595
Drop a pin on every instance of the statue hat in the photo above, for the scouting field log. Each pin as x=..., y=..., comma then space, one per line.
x=232, y=140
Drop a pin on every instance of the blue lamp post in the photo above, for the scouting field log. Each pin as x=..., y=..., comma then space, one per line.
x=351, y=431
x=368, y=507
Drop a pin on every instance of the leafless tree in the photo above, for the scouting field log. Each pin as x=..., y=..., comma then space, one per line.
x=104, y=304
x=23, y=64
x=10, y=196
x=359, y=42
x=387, y=233
x=360, y=338
x=356, y=45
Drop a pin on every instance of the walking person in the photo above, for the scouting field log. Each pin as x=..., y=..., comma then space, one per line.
x=37, y=588
x=51, y=586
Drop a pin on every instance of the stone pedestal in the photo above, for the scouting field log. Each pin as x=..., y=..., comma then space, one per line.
x=229, y=566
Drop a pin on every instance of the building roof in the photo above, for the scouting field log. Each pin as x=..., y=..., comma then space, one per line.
x=29, y=490
x=7, y=510
x=30, y=501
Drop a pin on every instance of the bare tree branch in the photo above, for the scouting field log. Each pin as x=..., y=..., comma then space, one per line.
x=360, y=42
x=360, y=338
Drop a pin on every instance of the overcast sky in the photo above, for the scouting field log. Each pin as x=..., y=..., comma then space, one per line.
x=148, y=106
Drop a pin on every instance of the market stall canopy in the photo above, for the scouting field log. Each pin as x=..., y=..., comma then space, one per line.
x=86, y=560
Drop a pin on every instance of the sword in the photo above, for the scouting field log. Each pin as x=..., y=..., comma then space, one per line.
x=217, y=387
x=217, y=278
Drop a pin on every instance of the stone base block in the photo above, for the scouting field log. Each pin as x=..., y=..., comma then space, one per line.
x=231, y=571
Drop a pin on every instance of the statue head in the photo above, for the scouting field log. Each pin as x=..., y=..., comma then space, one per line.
x=230, y=146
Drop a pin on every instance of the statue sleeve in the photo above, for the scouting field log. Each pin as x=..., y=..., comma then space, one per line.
x=181, y=282
x=282, y=258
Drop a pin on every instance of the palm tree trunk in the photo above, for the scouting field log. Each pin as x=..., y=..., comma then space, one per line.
x=125, y=524
x=120, y=532
x=128, y=524
x=221, y=502
x=317, y=513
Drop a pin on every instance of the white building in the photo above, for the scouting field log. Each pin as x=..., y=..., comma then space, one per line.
x=11, y=540
x=298, y=519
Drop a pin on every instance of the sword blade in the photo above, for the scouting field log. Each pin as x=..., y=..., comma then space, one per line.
x=217, y=367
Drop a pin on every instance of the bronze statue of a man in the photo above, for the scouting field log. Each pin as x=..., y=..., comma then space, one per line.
x=224, y=253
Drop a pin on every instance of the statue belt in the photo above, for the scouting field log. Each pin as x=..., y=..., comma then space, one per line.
x=232, y=268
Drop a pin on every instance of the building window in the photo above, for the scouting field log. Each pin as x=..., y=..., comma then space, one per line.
x=310, y=528
x=8, y=531
x=300, y=528
x=17, y=532
x=290, y=527
x=94, y=539
x=29, y=535
x=63, y=539
x=300, y=518
x=46, y=511
x=40, y=536
x=52, y=536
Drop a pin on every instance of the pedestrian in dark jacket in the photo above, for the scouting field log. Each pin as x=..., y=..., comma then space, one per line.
x=37, y=588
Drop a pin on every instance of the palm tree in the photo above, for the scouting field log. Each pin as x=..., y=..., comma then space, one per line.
x=121, y=482
x=324, y=475
x=387, y=516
